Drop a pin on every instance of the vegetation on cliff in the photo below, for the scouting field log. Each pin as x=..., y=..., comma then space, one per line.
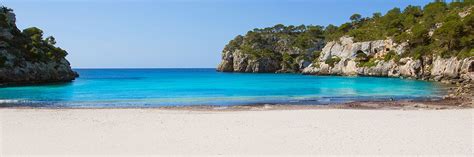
x=27, y=57
x=28, y=44
x=287, y=45
x=437, y=29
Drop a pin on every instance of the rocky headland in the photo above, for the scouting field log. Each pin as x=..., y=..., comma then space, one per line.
x=379, y=58
x=349, y=58
x=434, y=43
x=27, y=58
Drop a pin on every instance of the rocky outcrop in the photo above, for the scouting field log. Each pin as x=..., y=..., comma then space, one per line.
x=427, y=68
x=415, y=53
x=236, y=61
x=24, y=60
x=26, y=72
x=373, y=63
x=269, y=51
x=453, y=69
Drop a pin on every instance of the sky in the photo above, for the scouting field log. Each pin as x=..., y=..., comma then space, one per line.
x=173, y=34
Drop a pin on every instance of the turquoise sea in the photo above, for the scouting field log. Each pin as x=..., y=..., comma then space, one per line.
x=176, y=87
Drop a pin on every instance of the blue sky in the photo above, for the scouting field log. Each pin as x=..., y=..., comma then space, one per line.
x=172, y=34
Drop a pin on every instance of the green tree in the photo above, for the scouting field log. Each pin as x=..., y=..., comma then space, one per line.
x=50, y=40
x=413, y=10
x=419, y=34
x=355, y=18
x=449, y=33
x=376, y=15
x=433, y=12
x=34, y=34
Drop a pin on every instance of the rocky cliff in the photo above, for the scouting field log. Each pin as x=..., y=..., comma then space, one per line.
x=380, y=58
x=274, y=49
x=433, y=42
x=235, y=60
x=349, y=58
x=27, y=58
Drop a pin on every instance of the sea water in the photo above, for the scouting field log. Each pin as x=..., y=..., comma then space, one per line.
x=178, y=87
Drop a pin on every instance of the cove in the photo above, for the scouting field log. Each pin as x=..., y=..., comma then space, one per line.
x=98, y=88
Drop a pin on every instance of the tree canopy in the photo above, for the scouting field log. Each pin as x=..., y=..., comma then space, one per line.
x=438, y=28
x=29, y=44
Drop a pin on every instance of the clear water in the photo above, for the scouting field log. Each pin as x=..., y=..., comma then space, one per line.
x=175, y=87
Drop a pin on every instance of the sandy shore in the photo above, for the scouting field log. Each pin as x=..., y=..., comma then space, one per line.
x=127, y=132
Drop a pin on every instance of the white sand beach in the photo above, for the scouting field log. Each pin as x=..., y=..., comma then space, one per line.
x=142, y=132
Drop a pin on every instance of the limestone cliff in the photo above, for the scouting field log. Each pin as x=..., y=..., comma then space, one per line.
x=27, y=58
x=350, y=62
x=274, y=49
x=371, y=58
x=433, y=42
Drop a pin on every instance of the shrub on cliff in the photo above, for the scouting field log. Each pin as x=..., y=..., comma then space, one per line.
x=370, y=63
x=40, y=49
x=315, y=58
x=466, y=53
x=332, y=61
x=391, y=55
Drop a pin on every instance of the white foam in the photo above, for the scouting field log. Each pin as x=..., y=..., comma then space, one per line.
x=2, y=101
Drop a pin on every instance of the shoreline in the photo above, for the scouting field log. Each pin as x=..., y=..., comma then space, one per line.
x=441, y=104
x=362, y=128
x=455, y=96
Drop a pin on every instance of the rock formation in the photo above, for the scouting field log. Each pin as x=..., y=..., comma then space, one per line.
x=433, y=42
x=27, y=58
x=274, y=49
x=346, y=51
x=234, y=60
x=427, y=68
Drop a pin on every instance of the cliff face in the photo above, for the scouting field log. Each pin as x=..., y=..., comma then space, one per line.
x=237, y=61
x=282, y=58
x=371, y=58
x=27, y=58
x=352, y=59
x=433, y=42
